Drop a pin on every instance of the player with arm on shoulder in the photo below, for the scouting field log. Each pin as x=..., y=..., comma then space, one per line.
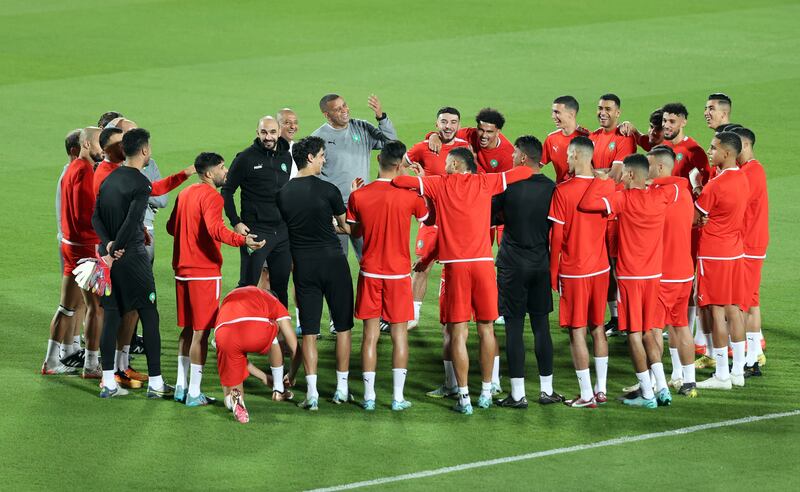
x=654, y=135
x=381, y=214
x=554, y=149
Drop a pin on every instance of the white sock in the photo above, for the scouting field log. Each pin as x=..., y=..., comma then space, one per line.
x=688, y=374
x=155, y=382
x=709, y=344
x=661, y=378
x=417, y=307
x=195, y=379
x=369, y=386
x=758, y=346
x=585, y=383
x=92, y=359
x=53, y=351
x=612, y=308
x=76, y=341
x=449, y=375
x=652, y=377
x=296, y=318
x=738, y=358
x=463, y=396
x=67, y=349
x=645, y=385
x=486, y=389
x=496, y=370
x=228, y=401
x=62, y=352
x=692, y=314
x=183, y=371
x=518, y=387
x=699, y=335
x=277, y=379
x=545, y=384
x=601, y=373
x=311, y=382
x=341, y=382
x=398, y=383
x=676, y=363
x=753, y=346
x=721, y=357
x=109, y=381
x=126, y=357
x=118, y=361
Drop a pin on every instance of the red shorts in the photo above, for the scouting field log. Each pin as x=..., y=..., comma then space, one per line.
x=673, y=304
x=612, y=236
x=197, y=302
x=73, y=253
x=582, y=300
x=426, y=240
x=721, y=282
x=471, y=289
x=637, y=301
x=386, y=298
x=235, y=341
x=752, y=281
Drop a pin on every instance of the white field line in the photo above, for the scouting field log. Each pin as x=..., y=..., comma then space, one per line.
x=551, y=452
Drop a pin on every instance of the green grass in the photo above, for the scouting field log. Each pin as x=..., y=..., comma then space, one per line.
x=200, y=74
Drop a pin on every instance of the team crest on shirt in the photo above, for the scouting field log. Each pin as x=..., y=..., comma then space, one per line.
x=612, y=146
x=420, y=244
x=258, y=166
x=283, y=166
x=152, y=297
x=356, y=138
x=493, y=163
x=555, y=148
x=679, y=156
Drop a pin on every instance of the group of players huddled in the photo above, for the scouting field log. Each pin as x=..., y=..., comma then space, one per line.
x=653, y=236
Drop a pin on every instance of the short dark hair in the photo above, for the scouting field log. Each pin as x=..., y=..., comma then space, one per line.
x=301, y=150
x=730, y=140
x=583, y=143
x=728, y=127
x=676, y=108
x=72, y=140
x=491, y=116
x=134, y=140
x=720, y=96
x=106, y=134
x=464, y=155
x=392, y=154
x=530, y=146
x=657, y=118
x=611, y=97
x=637, y=162
x=662, y=151
x=106, y=118
x=448, y=110
x=568, y=101
x=323, y=103
x=745, y=133
x=207, y=160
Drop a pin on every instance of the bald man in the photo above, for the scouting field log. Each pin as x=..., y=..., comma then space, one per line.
x=287, y=119
x=260, y=171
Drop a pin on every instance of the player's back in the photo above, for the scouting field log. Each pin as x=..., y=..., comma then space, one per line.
x=724, y=200
x=117, y=192
x=641, y=231
x=249, y=302
x=677, y=261
x=756, y=218
x=194, y=248
x=77, y=202
x=307, y=206
x=433, y=163
x=524, y=206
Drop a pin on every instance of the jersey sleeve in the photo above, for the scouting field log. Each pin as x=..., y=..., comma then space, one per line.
x=600, y=197
x=707, y=199
x=273, y=307
x=498, y=182
x=699, y=160
x=557, y=212
x=212, y=217
x=420, y=210
x=232, y=183
x=336, y=201
x=625, y=147
x=545, y=152
x=425, y=186
x=164, y=186
x=352, y=209
x=133, y=220
x=414, y=154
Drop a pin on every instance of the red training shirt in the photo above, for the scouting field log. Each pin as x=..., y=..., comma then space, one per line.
x=433, y=164
x=756, y=218
x=554, y=149
x=689, y=155
x=611, y=147
x=251, y=304
x=678, y=265
x=77, y=204
x=724, y=200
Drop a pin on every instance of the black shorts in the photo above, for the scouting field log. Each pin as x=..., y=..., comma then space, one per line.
x=328, y=277
x=132, y=284
x=522, y=291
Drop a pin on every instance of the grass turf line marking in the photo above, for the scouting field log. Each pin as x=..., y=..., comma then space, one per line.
x=552, y=452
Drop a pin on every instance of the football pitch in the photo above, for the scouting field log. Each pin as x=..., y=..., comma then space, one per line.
x=200, y=74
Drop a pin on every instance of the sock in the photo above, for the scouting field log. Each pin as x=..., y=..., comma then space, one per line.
x=118, y=360
x=601, y=372
x=297, y=317
x=759, y=351
x=369, y=386
x=688, y=374
x=109, y=381
x=518, y=387
x=228, y=402
x=486, y=389
x=545, y=384
x=183, y=371
x=692, y=314
x=196, y=377
x=709, y=344
x=652, y=377
x=676, y=363
x=125, y=363
x=417, y=307
x=92, y=359
x=311, y=382
x=496, y=370
x=76, y=341
x=612, y=308
x=661, y=378
x=449, y=375
x=585, y=383
x=721, y=357
x=53, y=350
x=398, y=383
x=62, y=352
x=341, y=382
x=155, y=383
x=645, y=384
x=753, y=346
x=738, y=358
x=463, y=396
x=277, y=379
x=67, y=349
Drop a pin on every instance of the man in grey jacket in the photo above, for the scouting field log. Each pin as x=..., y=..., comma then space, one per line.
x=348, y=146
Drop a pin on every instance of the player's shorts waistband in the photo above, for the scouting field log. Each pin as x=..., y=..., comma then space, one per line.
x=466, y=260
x=638, y=277
x=70, y=243
x=679, y=281
x=587, y=275
x=196, y=278
x=385, y=277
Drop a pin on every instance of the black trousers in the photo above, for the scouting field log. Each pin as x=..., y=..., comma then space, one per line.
x=278, y=258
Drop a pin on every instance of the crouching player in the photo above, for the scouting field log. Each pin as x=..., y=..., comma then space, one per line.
x=248, y=322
